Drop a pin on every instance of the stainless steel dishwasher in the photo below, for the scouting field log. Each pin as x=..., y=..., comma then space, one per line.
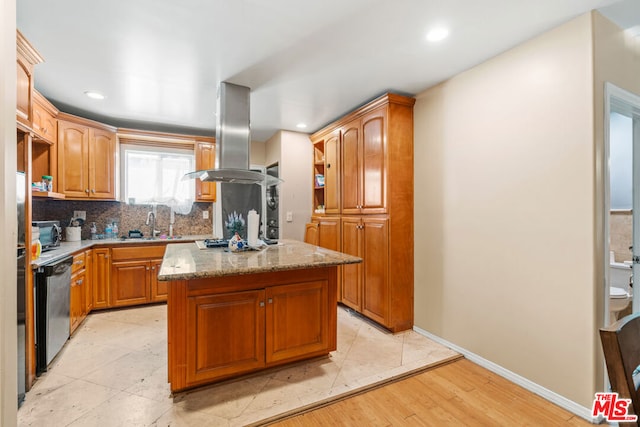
x=53, y=283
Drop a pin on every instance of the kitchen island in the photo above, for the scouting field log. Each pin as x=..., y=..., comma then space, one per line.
x=234, y=313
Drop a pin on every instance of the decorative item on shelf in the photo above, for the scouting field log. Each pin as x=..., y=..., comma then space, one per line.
x=319, y=180
x=47, y=183
x=319, y=209
x=236, y=244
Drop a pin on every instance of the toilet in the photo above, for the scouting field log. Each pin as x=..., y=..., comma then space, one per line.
x=620, y=294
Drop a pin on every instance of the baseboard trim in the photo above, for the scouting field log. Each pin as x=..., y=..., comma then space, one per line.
x=543, y=392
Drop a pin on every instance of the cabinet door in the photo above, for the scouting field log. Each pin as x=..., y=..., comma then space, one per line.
x=352, y=273
x=88, y=288
x=44, y=124
x=311, y=233
x=350, y=167
x=332, y=173
x=296, y=320
x=329, y=233
x=24, y=91
x=101, y=278
x=375, y=265
x=76, y=304
x=101, y=164
x=205, y=159
x=373, y=165
x=214, y=351
x=159, y=290
x=130, y=283
x=73, y=155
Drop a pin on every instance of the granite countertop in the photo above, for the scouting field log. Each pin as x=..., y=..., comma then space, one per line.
x=185, y=261
x=68, y=248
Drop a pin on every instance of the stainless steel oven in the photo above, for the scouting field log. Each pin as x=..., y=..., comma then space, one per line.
x=50, y=233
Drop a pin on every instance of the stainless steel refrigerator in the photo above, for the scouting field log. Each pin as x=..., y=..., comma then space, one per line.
x=21, y=252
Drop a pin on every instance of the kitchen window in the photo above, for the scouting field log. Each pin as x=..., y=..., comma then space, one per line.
x=153, y=175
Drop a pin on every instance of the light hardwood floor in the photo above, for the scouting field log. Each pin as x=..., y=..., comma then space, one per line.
x=460, y=393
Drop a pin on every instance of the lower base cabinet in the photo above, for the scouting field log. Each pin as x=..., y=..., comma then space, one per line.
x=266, y=323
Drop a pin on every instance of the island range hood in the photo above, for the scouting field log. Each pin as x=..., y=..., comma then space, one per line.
x=233, y=141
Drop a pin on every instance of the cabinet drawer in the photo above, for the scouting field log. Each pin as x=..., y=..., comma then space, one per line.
x=79, y=261
x=137, y=252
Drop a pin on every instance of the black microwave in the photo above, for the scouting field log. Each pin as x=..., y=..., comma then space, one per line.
x=50, y=233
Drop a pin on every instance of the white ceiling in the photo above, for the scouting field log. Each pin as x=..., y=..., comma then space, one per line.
x=159, y=61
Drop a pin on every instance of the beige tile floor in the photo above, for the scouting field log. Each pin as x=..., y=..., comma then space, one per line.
x=113, y=372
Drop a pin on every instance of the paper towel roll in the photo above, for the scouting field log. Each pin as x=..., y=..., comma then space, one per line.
x=73, y=234
x=253, y=225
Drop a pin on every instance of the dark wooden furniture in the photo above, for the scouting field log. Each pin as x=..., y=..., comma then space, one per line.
x=621, y=346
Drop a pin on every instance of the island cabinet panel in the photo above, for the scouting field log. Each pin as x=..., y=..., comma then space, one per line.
x=221, y=327
x=225, y=335
x=296, y=320
x=101, y=277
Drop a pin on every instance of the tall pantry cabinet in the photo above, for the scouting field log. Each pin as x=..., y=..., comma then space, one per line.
x=368, y=191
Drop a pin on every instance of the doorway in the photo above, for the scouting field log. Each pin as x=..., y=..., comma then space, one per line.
x=622, y=201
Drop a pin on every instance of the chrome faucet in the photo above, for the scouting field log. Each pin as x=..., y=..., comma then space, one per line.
x=151, y=220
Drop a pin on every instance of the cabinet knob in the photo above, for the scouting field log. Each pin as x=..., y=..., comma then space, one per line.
x=79, y=282
x=153, y=268
x=147, y=268
x=270, y=300
x=86, y=191
x=261, y=303
x=328, y=165
x=93, y=191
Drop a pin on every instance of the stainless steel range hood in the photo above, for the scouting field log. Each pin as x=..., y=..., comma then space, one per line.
x=233, y=141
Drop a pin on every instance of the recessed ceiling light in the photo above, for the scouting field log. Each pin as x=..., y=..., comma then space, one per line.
x=93, y=94
x=437, y=34
x=301, y=125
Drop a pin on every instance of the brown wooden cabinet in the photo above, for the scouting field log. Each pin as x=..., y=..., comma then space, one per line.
x=27, y=57
x=214, y=352
x=270, y=319
x=374, y=146
x=45, y=124
x=205, y=151
x=88, y=291
x=86, y=160
x=365, y=286
x=134, y=271
x=77, y=303
x=296, y=320
x=101, y=277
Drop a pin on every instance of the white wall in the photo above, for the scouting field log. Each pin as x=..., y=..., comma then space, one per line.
x=293, y=152
x=8, y=226
x=504, y=255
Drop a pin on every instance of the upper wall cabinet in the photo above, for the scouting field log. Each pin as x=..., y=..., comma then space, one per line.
x=45, y=124
x=26, y=57
x=205, y=150
x=86, y=159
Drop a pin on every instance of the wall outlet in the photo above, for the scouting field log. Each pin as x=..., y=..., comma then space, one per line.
x=80, y=214
x=205, y=214
x=289, y=216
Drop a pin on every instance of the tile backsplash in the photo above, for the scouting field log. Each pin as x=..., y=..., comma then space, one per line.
x=621, y=234
x=128, y=217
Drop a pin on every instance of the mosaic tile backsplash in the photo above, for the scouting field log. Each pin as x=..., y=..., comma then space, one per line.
x=128, y=217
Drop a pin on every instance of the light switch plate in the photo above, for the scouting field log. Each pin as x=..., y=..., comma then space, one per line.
x=289, y=216
x=80, y=214
x=205, y=214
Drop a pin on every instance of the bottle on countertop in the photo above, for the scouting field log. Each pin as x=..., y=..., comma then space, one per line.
x=114, y=230
x=108, y=231
x=93, y=230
